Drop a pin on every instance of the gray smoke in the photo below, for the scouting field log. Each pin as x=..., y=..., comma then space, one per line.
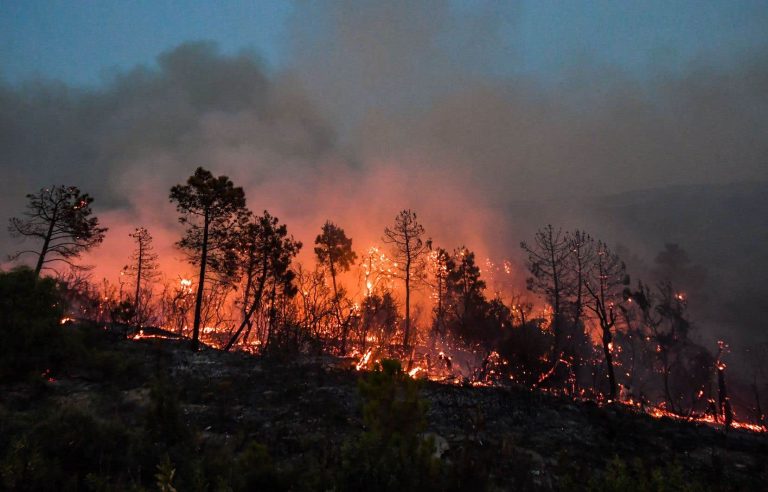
x=404, y=104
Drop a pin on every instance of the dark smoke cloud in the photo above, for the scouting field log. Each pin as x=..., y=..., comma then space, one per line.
x=413, y=78
x=404, y=104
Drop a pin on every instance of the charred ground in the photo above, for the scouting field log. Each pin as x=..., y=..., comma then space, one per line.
x=151, y=413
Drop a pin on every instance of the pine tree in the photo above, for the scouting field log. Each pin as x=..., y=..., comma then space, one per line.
x=60, y=217
x=408, y=248
x=212, y=208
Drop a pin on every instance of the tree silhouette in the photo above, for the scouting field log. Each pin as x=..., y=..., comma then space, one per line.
x=143, y=265
x=547, y=262
x=408, y=247
x=61, y=218
x=581, y=259
x=334, y=250
x=211, y=208
x=665, y=317
x=267, y=252
x=439, y=265
x=465, y=291
x=606, y=282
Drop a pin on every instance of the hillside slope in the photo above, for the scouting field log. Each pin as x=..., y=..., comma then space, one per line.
x=151, y=406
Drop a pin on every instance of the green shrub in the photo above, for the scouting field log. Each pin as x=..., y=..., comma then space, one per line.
x=639, y=476
x=253, y=470
x=68, y=450
x=164, y=421
x=391, y=454
x=30, y=333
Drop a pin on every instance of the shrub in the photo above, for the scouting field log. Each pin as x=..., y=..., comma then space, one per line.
x=67, y=450
x=391, y=454
x=30, y=334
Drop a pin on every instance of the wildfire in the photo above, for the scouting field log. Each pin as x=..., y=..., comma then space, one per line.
x=364, y=360
x=47, y=376
x=660, y=412
x=186, y=285
x=377, y=269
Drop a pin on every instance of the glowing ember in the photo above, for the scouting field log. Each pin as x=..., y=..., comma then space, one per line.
x=364, y=360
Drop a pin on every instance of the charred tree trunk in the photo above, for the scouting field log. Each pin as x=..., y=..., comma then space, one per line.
x=758, y=408
x=256, y=304
x=607, y=337
x=725, y=404
x=406, y=334
x=200, y=285
x=46, y=244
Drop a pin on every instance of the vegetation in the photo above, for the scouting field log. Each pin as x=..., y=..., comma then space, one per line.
x=581, y=330
x=392, y=453
x=30, y=335
x=409, y=248
x=145, y=269
x=61, y=218
x=211, y=208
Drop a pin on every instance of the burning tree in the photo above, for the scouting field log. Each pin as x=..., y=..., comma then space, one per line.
x=177, y=301
x=467, y=304
x=605, y=283
x=376, y=271
x=547, y=262
x=409, y=248
x=315, y=302
x=60, y=217
x=143, y=267
x=212, y=208
x=439, y=265
x=378, y=318
x=334, y=250
x=580, y=262
x=267, y=252
x=685, y=367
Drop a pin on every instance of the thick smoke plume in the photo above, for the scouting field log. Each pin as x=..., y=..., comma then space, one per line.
x=388, y=107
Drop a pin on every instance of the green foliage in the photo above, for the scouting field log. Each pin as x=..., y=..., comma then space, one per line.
x=621, y=477
x=634, y=476
x=164, y=417
x=66, y=450
x=391, y=454
x=253, y=469
x=30, y=310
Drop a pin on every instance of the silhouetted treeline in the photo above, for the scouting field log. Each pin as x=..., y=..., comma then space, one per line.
x=582, y=326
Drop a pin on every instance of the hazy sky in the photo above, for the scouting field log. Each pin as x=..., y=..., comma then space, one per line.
x=80, y=41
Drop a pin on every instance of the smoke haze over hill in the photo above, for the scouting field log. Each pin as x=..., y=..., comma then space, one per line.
x=385, y=108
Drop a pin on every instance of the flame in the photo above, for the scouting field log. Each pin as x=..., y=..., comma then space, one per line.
x=364, y=360
x=414, y=371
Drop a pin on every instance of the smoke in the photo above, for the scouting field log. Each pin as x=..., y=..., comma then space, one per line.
x=386, y=106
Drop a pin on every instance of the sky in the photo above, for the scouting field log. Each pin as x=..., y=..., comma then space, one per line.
x=351, y=110
x=81, y=42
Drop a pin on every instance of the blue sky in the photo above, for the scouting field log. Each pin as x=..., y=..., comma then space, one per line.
x=81, y=41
